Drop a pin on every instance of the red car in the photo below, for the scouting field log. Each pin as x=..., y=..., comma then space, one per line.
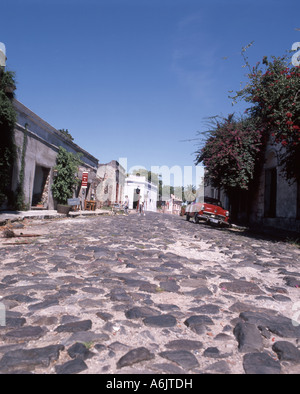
x=211, y=211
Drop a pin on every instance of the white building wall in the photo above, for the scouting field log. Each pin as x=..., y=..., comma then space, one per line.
x=148, y=191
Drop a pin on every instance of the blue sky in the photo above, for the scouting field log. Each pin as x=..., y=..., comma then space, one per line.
x=134, y=78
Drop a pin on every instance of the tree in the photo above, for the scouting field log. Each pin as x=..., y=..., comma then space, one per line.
x=231, y=152
x=273, y=89
x=65, y=182
x=7, y=124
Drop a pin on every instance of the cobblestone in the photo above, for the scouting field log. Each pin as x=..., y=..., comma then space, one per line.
x=154, y=293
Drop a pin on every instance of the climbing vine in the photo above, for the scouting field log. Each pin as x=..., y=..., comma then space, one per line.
x=19, y=198
x=7, y=124
x=273, y=90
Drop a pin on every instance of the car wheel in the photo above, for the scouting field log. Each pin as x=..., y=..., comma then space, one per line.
x=196, y=218
x=187, y=217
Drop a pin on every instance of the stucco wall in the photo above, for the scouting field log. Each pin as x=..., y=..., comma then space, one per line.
x=286, y=197
x=37, y=153
x=111, y=178
x=43, y=142
x=148, y=191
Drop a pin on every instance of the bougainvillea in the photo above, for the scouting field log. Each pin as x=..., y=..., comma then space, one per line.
x=273, y=90
x=231, y=152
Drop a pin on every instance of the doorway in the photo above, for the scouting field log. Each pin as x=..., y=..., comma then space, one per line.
x=40, y=191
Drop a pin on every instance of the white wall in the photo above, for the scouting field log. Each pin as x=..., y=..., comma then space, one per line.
x=148, y=191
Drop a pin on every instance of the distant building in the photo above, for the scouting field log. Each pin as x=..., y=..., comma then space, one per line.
x=41, y=148
x=173, y=205
x=138, y=188
x=111, y=178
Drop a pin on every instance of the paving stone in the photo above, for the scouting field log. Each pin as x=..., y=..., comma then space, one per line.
x=43, y=305
x=248, y=337
x=138, y=312
x=168, y=307
x=200, y=292
x=278, y=324
x=148, y=287
x=46, y=320
x=99, y=347
x=14, y=322
x=281, y=298
x=183, y=358
x=104, y=316
x=118, y=346
x=241, y=287
x=198, y=319
x=184, y=344
x=119, y=295
x=208, y=309
x=167, y=368
x=292, y=282
x=85, y=337
x=160, y=321
x=26, y=333
x=90, y=303
x=92, y=290
x=220, y=367
x=286, y=351
x=212, y=352
x=260, y=364
x=20, y=298
x=71, y=367
x=135, y=356
x=30, y=358
x=79, y=350
x=76, y=326
x=170, y=286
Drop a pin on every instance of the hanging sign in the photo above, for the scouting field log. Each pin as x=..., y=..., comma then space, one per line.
x=84, y=181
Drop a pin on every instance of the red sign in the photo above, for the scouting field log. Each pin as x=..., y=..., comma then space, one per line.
x=84, y=181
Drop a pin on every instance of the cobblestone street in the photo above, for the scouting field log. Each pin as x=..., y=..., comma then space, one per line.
x=147, y=294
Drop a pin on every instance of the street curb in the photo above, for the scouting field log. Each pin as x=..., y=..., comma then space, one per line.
x=11, y=217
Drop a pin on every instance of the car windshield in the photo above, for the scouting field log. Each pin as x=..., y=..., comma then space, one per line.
x=214, y=201
x=208, y=200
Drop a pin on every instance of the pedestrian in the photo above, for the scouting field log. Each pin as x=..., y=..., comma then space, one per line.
x=137, y=195
x=126, y=205
x=142, y=208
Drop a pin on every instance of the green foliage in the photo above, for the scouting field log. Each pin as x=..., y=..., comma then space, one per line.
x=230, y=152
x=234, y=150
x=273, y=89
x=19, y=196
x=7, y=83
x=7, y=123
x=64, y=183
x=66, y=134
